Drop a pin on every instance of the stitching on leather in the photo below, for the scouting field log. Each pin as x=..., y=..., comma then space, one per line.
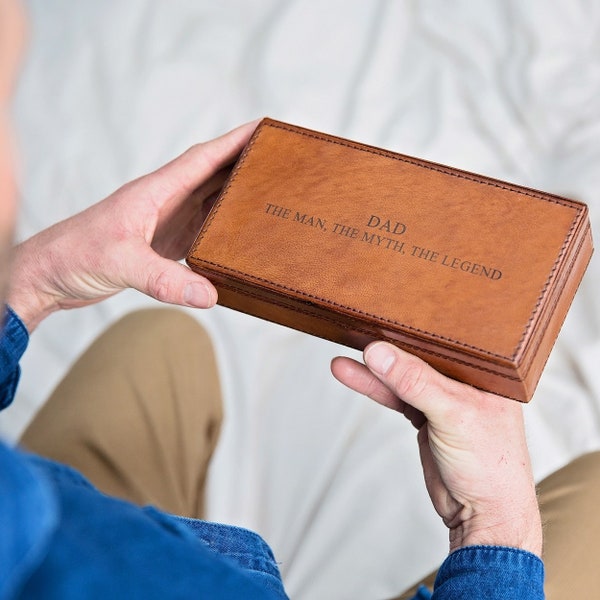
x=424, y=165
x=362, y=330
x=357, y=312
x=557, y=299
x=543, y=292
x=388, y=154
x=225, y=189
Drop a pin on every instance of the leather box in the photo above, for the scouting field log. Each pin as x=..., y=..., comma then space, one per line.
x=353, y=244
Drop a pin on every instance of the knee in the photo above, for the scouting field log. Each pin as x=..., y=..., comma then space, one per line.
x=577, y=482
x=161, y=324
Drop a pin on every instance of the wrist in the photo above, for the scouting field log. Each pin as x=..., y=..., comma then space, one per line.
x=519, y=527
x=26, y=294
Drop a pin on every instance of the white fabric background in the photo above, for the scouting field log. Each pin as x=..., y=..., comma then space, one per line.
x=507, y=88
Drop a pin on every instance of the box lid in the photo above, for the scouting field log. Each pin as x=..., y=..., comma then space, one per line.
x=462, y=261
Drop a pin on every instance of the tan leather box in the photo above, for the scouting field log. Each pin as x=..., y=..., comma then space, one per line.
x=353, y=244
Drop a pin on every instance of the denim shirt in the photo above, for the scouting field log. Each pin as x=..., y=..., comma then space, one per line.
x=63, y=539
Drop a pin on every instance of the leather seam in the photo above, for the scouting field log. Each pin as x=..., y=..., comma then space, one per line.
x=365, y=331
x=356, y=312
x=481, y=179
x=557, y=299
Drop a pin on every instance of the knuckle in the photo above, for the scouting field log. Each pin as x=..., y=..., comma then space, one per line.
x=202, y=156
x=373, y=388
x=380, y=392
x=159, y=286
x=412, y=381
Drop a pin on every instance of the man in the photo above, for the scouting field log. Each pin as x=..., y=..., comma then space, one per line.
x=61, y=538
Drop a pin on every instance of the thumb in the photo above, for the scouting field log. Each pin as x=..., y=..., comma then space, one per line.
x=172, y=282
x=411, y=379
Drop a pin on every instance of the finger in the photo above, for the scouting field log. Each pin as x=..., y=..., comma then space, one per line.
x=412, y=379
x=177, y=230
x=201, y=201
x=444, y=505
x=170, y=281
x=200, y=162
x=357, y=377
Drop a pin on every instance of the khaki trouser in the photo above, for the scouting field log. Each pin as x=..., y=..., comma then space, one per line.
x=139, y=415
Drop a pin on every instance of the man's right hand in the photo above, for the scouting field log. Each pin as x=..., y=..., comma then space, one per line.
x=472, y=446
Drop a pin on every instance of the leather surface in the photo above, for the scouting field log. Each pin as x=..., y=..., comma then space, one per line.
x=354, y=243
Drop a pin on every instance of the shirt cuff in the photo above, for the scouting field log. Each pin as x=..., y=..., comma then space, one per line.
x=491, y=572
x=13, y=342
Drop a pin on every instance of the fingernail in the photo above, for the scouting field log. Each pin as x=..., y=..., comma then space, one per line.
x=198, y=294
x=380, y=358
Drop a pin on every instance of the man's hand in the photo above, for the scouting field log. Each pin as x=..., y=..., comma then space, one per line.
x=132, y=239
x=472, y=446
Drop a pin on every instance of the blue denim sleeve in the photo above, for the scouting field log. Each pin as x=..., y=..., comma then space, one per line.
x=13, y=342
x=491, y=572
x=246, y=548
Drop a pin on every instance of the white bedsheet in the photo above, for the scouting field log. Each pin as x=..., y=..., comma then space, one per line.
x=111, y=90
